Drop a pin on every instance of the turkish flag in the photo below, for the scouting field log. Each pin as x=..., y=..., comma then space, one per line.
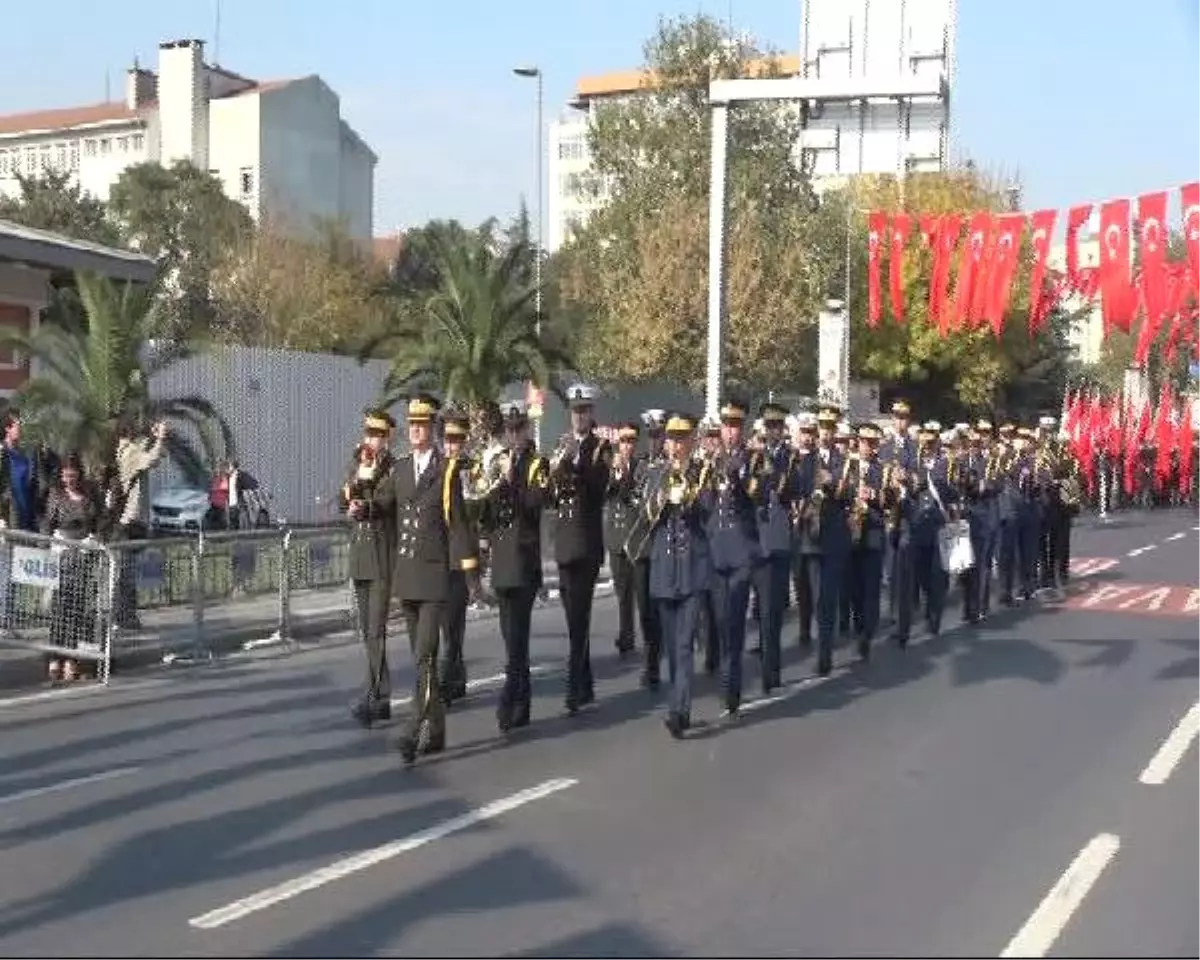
x=949, y=226
x=1042, y=223
x=1116, y=288
x=928, y=224
x=901, y=227
x=1190, y=195
x=1077, y=217
x=1009, y=227
x=876, y=229
x=970, y=264
x=1152, y=242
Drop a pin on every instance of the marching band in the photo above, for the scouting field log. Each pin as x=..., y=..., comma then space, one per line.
x=709, y=516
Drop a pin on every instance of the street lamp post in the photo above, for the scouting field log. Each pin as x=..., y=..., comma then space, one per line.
x=535, y=73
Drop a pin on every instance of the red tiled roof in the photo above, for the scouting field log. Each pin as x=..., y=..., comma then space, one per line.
x=386, y=249
x=66, y=117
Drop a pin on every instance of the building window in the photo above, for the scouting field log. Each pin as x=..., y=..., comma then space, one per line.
x=30, y=161
x=60, y=157
x=3, y=163
x=89, y=148
x=73, y=155
x=105, y=147
x=137, y=142
x=44, y=158
x=246, y=181
x=571, y=148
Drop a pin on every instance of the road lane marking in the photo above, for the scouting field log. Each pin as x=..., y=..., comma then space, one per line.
x=370, y=858
x=1137, y=552
x=1158, y=770
x=1043, y=928
x=1175, y=536
x=67, y=785
x=539, y=670
x=76, y=692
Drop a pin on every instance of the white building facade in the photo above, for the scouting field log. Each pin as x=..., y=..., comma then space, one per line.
x=280, y=148
x=887, y=69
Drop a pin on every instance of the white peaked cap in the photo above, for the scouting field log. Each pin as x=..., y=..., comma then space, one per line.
x=962, y=427
x=948, y=436
x=1047, y=422
x=843, y=428
x=655, y=417
x=932, y=426
x=806, y=420
x=581, y=393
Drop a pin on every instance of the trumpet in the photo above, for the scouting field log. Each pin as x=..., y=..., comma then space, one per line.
x=563, y=453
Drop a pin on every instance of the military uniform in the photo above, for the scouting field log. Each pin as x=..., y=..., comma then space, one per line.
x=578, y=482
x=370, y=559
x=620, y=510
x=898, y=453
x=867, y=537
x=981, y=482
x=638, y=551
x=452, y=674
x=512, y=518
x=732, y=532
x=677, y=501
x=433, y=537
x=932, y=496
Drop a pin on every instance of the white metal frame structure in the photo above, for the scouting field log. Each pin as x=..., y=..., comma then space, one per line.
x=722, y=96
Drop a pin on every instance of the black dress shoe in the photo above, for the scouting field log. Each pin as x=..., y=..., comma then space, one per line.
x=407, y=745
x=449, y=692
x=824, y=668
x=864, y=650
x=367, y=712
x=650, y=681
x=676, y=725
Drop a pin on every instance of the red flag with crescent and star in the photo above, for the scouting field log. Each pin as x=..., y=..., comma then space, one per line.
x=901, y=227
x=949, y=226
x=1116, y=288
x=1152, y=218
x=970, y=265
x=1040, y=302
x=1189, y=193
x=1009, y=227
x=876, y=229
x=1076, y=218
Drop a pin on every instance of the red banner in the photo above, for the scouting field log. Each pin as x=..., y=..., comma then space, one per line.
x=901, y=225
x=1116, y=289
x=1042, y=223
x=876, y=228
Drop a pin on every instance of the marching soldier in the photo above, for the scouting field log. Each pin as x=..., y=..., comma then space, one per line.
x=371, y=544
x=579, y=474
x=899, y=451
x=707, y=633
x=637, y=548
x=773, y=488
x=433, y=537
x=1053, y=551
x=620, y=511
x=453, y=671
x=1009, y=503
x=677, y=499
x=512, y=518
x=734, y=548
x=867, y=537
x=826, y=492
x=933, y=496
x=978, y=489
x=1029, y=510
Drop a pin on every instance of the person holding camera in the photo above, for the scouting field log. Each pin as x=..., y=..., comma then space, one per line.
x=136, y=456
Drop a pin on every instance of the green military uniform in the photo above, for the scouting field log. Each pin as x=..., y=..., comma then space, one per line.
x=370, y=558
x=620, y=511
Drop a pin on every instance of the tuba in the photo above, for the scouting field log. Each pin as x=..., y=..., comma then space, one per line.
x=678, y=485
x=487, y=472
x=859, y=509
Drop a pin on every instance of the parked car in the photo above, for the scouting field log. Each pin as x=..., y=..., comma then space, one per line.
x=189, y=510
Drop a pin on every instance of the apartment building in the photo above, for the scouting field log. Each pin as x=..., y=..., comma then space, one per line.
x=881, y=74
x=281, y=148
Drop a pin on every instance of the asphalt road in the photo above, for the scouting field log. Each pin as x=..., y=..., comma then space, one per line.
x=1025, y=788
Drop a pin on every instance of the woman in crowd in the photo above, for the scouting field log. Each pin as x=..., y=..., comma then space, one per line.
x=73, y=512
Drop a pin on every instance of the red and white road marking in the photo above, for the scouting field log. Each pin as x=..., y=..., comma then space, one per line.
x=1090, y=566
x=1159, y=599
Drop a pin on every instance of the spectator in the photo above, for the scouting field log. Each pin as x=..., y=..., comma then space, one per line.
x=220, y=490
x=136, y=455
x=73, y=512
x=242, y=513
x=24, y=482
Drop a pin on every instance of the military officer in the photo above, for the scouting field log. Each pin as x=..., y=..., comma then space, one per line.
x=979, y=486
x=866, y=538
x=806, y=538
x=934, y=496
x=579, y=472
x=829, y=496
x=433, y=537
x=707, y=634
x=677, y=500
x=1055, y=518
x=371, y=545
x=453, y=671
x=734, y=547
x=899, y=450
x=512, y=518
x=620, y=511
x=1029, y=509
x=638, y=550
x=773, y=488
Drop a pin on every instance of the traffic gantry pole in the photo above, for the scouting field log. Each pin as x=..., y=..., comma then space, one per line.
x=716, y=257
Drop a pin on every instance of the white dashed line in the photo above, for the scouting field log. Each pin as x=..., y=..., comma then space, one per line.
x=373, y=857
x=1052, y=915
x=1175, y=536
x=67, y=785
x=539, y=670
x=1158, y=770
x=1140, y=550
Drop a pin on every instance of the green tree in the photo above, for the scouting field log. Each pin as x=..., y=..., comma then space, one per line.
x=53, y=202
x=638, y=267
x=181, y=216
x=91, y=378
x=476, y=332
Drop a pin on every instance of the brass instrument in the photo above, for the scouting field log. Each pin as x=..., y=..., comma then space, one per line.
x=369, y=467
x=676, y=488
x=486, y=473
x=895, y=483
x=563, y=452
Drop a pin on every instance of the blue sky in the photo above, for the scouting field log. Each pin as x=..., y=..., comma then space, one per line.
x=1087, y=99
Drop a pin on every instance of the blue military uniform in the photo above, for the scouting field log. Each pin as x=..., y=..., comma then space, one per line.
x=772, y=486
x=981, y=485
x=678, y=501
x=866, y=541
x=734, y=548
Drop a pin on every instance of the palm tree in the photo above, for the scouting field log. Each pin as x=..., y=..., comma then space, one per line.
x=476, y=333
x=94, y=375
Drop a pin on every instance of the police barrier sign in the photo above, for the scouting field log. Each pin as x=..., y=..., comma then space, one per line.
x=36, y=566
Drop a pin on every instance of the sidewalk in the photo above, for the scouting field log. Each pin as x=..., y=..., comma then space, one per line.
x=227, y=627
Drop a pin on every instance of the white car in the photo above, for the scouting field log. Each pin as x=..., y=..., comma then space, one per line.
x=183, y=509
